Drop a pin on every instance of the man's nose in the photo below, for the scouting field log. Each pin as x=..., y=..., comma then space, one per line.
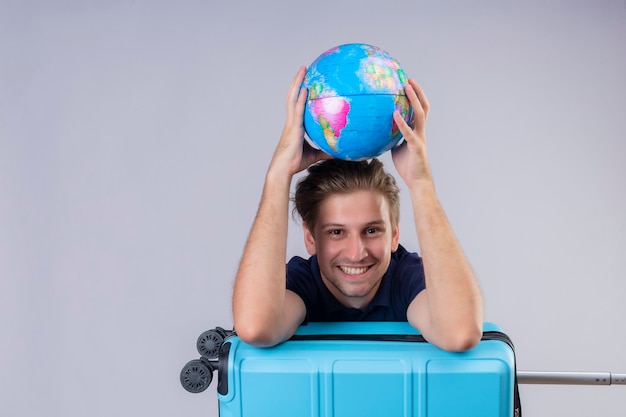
x=356, y=249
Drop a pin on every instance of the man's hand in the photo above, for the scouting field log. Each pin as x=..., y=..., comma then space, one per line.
x=410, y=158
x=294, y=154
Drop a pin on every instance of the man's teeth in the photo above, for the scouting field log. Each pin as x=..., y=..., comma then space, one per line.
x=352, y=270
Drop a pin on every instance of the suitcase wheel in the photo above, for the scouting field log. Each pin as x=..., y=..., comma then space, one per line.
x=196, y=376
x=210, y=342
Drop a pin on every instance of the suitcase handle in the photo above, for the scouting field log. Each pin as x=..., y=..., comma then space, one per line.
x=570, y=378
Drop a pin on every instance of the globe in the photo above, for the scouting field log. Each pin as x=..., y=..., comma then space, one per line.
x=353, y=91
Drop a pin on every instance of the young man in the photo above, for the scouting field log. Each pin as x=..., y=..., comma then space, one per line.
x=358, y=270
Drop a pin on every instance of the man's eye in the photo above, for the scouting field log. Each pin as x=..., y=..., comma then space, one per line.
x=371, y=230
x=335, y=232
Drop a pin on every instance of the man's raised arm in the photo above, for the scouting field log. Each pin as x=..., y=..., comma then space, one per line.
x=264, y=311
x=449, y=312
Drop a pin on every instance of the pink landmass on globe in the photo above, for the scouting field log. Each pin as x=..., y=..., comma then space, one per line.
x=332, y=115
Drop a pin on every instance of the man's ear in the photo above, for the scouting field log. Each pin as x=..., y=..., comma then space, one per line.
x=395, y=238
x=309, y=239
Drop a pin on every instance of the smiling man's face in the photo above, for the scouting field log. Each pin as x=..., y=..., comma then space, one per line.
x=353, y=239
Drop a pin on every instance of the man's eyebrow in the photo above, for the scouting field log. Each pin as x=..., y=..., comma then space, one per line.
x=331, y=225
x=339, y=225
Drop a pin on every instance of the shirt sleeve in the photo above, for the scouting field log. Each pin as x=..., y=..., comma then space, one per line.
x=409, y=275
x=300, y=281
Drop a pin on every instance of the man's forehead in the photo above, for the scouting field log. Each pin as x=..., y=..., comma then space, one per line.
x=355, y=201
x=362, y=208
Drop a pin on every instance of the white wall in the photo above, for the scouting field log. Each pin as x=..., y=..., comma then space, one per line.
x=134, y=137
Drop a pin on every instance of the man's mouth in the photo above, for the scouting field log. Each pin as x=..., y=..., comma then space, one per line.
x=353, y=270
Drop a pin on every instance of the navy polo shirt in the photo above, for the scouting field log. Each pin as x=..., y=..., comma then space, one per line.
x=403, y=280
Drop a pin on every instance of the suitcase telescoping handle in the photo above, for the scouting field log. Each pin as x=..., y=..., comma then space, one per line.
x=570, y=378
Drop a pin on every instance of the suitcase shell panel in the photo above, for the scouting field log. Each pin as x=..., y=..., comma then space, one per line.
x=359, y=378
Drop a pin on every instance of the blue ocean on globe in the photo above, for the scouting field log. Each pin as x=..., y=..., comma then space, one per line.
x=353, y=91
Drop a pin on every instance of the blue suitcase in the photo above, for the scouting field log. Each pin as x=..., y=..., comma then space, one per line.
x=362, y=369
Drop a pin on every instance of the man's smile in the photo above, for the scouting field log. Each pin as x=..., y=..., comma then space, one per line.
x=354, y=270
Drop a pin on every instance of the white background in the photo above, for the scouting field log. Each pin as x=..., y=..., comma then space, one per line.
x=134, y=138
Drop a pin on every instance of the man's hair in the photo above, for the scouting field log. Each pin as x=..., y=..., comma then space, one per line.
x=336, y=176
